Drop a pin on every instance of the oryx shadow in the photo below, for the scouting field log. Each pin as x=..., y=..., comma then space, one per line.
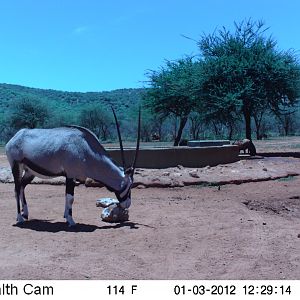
x=54, y=227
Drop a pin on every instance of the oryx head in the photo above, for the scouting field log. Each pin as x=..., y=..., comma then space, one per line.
x=124, y=196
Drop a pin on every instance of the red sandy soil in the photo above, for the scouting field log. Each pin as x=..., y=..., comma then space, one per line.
x=233, y=231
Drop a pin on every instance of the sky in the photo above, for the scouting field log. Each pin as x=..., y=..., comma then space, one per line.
x=102, y=45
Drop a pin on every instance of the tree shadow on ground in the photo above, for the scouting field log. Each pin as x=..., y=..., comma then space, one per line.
x=54, y=227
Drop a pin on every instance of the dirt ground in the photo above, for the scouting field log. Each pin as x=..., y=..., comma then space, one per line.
x=229, y=231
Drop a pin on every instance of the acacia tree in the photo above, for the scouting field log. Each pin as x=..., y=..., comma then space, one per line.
x=258, y=116
x=244, y=73
x=196, y=124
x=220, y=110
x=97, y=119
x=286, y=122
x=28, y=113
x=174, y=91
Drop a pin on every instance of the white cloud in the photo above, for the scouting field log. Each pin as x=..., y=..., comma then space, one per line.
x=80, y=30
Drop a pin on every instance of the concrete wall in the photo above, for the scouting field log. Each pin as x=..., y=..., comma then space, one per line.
x=158, y=158
x=207, y=143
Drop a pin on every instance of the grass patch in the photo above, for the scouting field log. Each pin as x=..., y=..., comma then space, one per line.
x=206, y=184
x=288, y=178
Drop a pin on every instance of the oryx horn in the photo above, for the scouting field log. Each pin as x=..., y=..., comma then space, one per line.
x=137, y=140
x=120, y=140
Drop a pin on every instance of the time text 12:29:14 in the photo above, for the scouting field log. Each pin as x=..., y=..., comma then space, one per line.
x=267, y=290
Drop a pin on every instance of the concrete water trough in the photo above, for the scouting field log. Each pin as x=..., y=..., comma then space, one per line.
x=166, y=157
x=207, y=143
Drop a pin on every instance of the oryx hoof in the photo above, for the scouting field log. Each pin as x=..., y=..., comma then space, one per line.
x=25, y=212
x=70, y=222
x=25, y=216
x=71, y=225
x=20, y=219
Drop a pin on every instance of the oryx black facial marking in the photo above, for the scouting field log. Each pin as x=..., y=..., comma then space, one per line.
x=73, y=152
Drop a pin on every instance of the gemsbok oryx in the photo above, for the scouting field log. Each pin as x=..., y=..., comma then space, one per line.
x=71, y=151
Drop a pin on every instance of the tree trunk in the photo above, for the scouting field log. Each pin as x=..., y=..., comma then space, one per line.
x=197, y=134
x=182, y=123
x=230, y=130
x=258, y=135
x=216, y=129
x=160, y=132
x=195, y=127
x=286, y=125
x=257, y=126
x=175, y=128
x=193, y=131
x=104, y=130
x=247, y=118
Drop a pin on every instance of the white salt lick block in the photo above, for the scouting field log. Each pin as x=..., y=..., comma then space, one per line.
x=106, y=202
x=114, y=214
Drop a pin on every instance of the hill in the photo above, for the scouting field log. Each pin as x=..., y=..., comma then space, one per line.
x=62, y=102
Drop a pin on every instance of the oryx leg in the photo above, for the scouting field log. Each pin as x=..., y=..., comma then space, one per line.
x=70, y=185
x=26, y=179
x=17, y=171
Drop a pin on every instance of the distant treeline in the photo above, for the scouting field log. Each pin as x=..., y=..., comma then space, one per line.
x=30, y=107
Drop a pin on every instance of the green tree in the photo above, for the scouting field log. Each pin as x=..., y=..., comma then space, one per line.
x=197, y=124
x=97, y=119
x=151, y=125
x=245, y=73
x=28, y=113
x=174, y=90
x=287, y=122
